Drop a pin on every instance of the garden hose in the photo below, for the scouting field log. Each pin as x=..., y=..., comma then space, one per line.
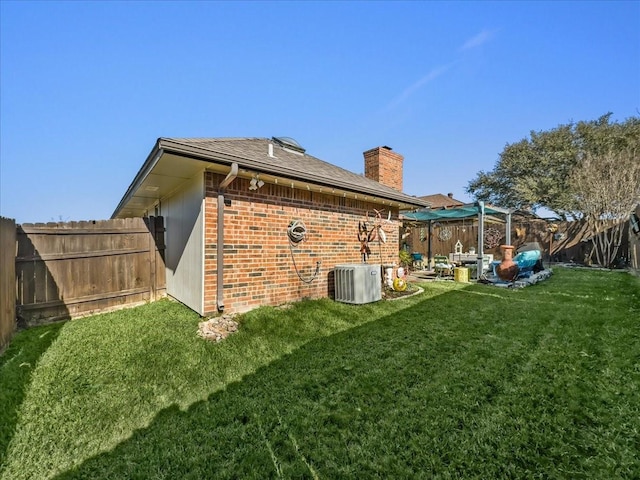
x=297, y=233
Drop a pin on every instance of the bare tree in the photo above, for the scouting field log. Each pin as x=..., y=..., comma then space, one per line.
x=607, y=189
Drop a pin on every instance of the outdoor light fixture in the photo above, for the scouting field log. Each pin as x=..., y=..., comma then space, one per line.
x=255, y=183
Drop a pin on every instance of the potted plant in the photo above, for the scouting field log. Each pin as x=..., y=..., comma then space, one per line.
x=404, y=259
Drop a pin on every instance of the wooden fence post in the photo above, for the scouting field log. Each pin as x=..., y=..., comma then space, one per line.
x=7, y=280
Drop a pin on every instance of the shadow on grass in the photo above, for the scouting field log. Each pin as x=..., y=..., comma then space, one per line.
x=285, y=420
x=394, y=397
x=453, y=386
x=16, y=367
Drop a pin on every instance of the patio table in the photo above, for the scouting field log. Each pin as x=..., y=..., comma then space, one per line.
x=471, y=259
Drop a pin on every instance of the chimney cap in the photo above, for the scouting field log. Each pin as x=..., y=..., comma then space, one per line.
x=386, y=147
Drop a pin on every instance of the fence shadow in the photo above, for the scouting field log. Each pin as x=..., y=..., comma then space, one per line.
x=47, y=254
x=33, y=282
x=17, y=364
x=225, y=413
x=263, y=425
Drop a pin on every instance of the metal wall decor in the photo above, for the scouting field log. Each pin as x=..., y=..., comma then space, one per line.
x=492, y=237
x=373, y=228
x=444, y=234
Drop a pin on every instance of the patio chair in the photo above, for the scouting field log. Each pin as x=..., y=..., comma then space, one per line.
x=443, y=267
x=418, y=263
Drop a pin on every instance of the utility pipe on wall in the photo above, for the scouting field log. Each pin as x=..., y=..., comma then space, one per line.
x=233, y=173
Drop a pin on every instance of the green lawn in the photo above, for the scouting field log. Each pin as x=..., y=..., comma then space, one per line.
x=461, y=381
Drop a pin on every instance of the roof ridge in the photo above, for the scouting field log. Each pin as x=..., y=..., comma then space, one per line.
x=253, y=153
x=212, y=139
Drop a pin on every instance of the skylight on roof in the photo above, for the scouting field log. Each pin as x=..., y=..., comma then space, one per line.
x=290, y=144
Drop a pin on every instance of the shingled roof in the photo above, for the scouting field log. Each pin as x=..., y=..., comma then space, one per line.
x=260, y=155
x=438, y=200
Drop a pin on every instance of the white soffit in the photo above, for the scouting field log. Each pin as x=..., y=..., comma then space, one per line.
x=169, y=173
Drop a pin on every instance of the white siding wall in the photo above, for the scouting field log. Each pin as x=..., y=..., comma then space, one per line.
x=183, y=213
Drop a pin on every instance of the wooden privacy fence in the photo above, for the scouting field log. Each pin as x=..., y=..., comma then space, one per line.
x=7, y=280
x=66, y=270
x=567, y=242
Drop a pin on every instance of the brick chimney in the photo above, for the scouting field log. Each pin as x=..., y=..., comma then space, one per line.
x=384, y=166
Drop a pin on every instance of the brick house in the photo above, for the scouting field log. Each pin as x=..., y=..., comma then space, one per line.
x=228, y=203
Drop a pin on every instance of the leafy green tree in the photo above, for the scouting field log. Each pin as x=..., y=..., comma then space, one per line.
x=537, y=171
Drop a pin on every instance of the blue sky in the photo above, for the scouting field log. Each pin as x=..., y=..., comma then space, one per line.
x=86, y=88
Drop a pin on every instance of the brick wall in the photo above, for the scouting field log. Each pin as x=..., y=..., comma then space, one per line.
x=384, y=166
x=258, y=263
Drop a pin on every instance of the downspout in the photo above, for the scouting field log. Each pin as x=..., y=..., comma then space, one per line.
x=233, y=173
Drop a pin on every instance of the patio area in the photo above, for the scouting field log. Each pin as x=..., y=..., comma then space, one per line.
x=469, y=253
x=466, y=273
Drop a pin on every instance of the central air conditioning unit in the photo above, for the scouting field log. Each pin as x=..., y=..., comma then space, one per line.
x=358, y=283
